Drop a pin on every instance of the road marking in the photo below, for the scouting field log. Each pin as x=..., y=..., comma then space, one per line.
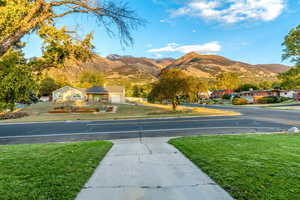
x=137, y=131
x=164, y=121
x=137, y=118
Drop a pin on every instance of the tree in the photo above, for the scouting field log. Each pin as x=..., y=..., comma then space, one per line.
x=291, y=78
x=265, y=85
x=17, y=80
x=292, y=45
x=247, y=87
x=141, y=90
x=61, y=48
x=196, y=87
x=47, y=86
x=21, y=17
x=91, y=78
x=172, y=84
x=227, y=81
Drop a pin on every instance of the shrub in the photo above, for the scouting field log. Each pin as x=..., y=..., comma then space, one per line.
x=282, y=99
x=2, y=107
x=239, y=101
x=267, y=100
x=226, y=96
x=73, y=109
x=12, y=115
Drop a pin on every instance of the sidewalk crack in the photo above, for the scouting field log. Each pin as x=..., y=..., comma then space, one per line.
x=149, y=187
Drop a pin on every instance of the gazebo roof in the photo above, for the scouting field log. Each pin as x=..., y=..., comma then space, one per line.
x=96, y=90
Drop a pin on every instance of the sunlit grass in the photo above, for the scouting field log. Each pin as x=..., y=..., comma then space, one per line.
x=48, y=171
x=248, y=166
x=39, y=113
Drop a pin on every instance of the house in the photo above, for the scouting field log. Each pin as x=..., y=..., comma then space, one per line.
x=297, y=95
x=109, y=94
x=113, y=94
x=204, y=95
x=253, y=96
x=68, y=93
x=287, y=93
x=45, y=99
x=220, y=93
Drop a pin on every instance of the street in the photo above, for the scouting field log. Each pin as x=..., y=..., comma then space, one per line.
x=251, y=120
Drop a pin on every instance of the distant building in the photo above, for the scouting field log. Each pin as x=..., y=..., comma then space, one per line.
x=108, y=94
x=287, y=93
x=253, y=96
x=68, y=93
x=297, y=95
x=220, y=93
x=45, y=99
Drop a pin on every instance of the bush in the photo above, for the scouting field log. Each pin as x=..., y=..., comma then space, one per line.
x=3, y=107
x=11, y=115
x=267, y=100
x=239, y=101
x=226, y=96
x=282, y=99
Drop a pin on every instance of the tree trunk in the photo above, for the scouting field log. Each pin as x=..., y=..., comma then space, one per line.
x=10, y=41
x=29, y=22
x=174, y=104
x=11, y=107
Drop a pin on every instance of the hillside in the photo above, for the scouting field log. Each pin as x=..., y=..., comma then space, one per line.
x=209, y=66
x=116, y=69
x=134, y=70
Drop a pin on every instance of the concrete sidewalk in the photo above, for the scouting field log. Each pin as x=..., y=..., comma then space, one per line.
x=149, y=169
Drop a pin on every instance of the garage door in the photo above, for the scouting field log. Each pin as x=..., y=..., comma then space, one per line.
x=116, y=99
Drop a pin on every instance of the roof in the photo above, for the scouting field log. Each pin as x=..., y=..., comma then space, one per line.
x=96, y=90
x=66, y=88
x=223, y=91
x=256, y=91
x=119, y=89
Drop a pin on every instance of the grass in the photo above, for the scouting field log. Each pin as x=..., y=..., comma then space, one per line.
x=289, y=102
x=39, y=113
x=48, y=171
x=248, y=166
x=285, y=107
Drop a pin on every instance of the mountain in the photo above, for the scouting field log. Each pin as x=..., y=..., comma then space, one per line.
x=116, y=69
x=209, y=66
x=140, y=70
x=275, y=68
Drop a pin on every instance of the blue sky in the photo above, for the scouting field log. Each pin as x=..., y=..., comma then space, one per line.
x=245, y=30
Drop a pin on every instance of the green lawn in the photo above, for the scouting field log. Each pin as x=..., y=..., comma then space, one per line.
x=48, y=171
x=248, y=166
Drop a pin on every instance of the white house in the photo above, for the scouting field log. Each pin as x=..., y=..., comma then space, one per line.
x=287, y=93
x=68, y=93
x=109, y=94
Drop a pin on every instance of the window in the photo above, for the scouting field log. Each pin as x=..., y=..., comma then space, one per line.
x=59, y=95
x=77, y=96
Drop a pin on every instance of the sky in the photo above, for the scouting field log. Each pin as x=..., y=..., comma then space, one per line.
x=250, y=31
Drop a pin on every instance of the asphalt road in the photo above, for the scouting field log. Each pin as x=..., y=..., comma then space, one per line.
x=252, y=120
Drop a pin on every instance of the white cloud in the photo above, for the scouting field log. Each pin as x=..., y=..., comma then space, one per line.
x=232, y=11
x=209, y=47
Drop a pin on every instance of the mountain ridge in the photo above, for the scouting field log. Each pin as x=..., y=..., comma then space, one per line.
x=209, y=66
x=142, y=70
